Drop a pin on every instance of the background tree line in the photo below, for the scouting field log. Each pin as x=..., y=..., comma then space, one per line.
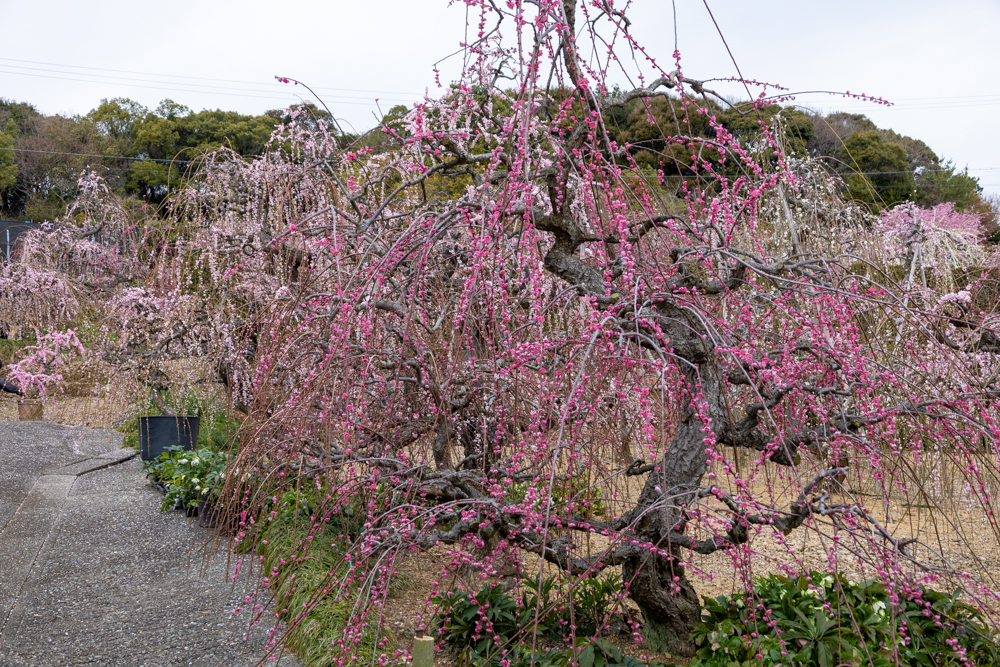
x=141, y=153
x=144, y=153
x=879, y=166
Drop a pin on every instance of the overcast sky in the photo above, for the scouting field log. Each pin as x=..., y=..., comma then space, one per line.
x=938, y=62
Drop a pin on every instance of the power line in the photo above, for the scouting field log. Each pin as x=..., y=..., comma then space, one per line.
x=181, y=90
x=946, y=97
x=938, y=102
x=119, y=79
x=941, y=104
x=909, y=107
x=196, y=78
x=921, y=100
x=108, y=157
x=896, y=100
x=137, y=85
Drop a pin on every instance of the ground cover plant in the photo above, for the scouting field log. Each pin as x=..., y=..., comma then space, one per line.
x=825, y=619
x=487, y=328
x=299, y=559
x=303, y=561
x=587, y=606
x=188, y=476
x=493, y=627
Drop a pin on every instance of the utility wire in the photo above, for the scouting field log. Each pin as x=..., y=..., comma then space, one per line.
x=197, y=78
x=921, y=103
x=138, y=85
x=119, y=79
x=108, y=157
x=902, y=107
x=896, y=100
x=937, y=98
x=181, y=90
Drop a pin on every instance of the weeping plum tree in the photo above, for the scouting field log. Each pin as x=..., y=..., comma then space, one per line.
x=483, y=327
x=500, y=333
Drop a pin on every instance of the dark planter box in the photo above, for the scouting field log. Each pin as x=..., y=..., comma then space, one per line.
x=158, y=434
x=208, y=512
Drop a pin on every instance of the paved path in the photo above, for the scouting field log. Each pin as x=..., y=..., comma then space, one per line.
x=92, y=573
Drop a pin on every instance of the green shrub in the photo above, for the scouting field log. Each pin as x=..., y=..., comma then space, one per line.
x=489, y=628
x=297, y=506
x=188, y=475
x=824, y=620
x=585, y=653
x=481, y=625
x=305, y=581
x=302, y=539
x=593, y=601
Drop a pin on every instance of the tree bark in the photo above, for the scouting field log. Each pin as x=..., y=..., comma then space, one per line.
x=658, y=584
x=669, y=604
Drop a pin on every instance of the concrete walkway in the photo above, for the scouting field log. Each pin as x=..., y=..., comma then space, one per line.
x=92, y=573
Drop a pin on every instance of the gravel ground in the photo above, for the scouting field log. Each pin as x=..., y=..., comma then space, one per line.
x=116, y=582
x=28, y=448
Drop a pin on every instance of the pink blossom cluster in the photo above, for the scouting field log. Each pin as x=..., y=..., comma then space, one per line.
x=39, y=372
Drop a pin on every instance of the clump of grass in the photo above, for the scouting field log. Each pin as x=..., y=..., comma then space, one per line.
x=399, y=584
x=309, y=582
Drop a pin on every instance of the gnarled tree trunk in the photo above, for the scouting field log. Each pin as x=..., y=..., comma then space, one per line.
x=668, y=602
x=657, y=583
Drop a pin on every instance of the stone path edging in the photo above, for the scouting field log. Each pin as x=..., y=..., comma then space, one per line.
x=24, y=535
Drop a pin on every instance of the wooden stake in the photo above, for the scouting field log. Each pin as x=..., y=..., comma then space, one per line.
x=423, y=651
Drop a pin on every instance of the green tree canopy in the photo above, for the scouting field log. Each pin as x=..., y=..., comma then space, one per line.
x=868, y=157
x=171, y=136
x=168, y=131
x=944, y=183
x=160, y=147
x=8, y=166
x=877, y=171
x=652, y=128
x=118, y=118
